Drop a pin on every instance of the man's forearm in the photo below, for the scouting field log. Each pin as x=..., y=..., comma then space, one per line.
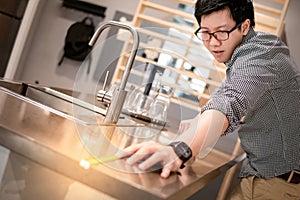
x=204, y=132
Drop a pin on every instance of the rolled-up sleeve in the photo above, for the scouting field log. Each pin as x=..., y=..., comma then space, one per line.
x=240, y=91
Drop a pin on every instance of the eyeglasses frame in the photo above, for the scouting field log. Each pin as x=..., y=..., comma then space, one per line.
x=213, y=34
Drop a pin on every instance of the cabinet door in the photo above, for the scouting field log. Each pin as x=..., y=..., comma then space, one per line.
x=13, y=8
x=9, y=29
x=11, y=13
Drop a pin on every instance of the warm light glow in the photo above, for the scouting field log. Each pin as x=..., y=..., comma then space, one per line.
x=86, y=163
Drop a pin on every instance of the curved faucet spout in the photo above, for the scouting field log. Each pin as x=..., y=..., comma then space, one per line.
x=119, y=96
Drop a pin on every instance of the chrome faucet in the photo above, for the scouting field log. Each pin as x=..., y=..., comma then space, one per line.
x=118, y=98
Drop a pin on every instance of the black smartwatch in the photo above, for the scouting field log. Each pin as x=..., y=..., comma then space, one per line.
x=182, y=150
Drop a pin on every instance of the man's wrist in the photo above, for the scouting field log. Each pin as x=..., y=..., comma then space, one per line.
x=182, y=150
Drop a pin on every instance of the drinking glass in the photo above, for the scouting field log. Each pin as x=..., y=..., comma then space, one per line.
x=141, y=104
x=158, y=109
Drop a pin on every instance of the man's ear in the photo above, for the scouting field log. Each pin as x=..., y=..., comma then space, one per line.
x=245, y=27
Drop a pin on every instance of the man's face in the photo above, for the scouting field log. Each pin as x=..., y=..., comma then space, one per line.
x=221, y=21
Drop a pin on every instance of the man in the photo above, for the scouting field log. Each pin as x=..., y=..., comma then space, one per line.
x=259, y=98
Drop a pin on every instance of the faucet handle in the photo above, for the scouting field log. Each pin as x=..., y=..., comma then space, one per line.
x=105, y=80
x=103, y=95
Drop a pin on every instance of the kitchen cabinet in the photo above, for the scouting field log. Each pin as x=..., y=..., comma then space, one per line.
x=25, y=179
x=11, y=13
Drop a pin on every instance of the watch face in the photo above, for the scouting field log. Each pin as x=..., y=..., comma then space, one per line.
x=184, y=150
x=187, y=153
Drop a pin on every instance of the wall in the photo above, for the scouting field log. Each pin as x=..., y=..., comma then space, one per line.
x=293, y=29
x=45, y=49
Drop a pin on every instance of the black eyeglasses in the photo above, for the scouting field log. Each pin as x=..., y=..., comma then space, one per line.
x=219, y=35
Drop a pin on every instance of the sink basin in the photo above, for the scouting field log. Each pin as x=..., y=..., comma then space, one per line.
x=54, y=101
x=60, y=102
x=13, y=86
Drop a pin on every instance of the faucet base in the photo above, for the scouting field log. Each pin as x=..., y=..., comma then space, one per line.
x=116, y=105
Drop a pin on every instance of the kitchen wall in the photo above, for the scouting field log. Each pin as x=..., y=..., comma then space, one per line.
x=293, y=29
x=40, y=58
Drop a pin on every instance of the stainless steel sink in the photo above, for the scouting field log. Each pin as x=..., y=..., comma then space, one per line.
x=54, y=101
x=61, y=102
x=16, y=87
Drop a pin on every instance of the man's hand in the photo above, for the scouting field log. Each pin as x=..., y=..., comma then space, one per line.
x=200, y=134
x=150, y=153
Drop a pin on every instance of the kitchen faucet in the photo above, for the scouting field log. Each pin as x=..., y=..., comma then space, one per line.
x=119, y=95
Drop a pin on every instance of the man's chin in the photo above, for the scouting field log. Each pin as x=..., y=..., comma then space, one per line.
x=221, y=59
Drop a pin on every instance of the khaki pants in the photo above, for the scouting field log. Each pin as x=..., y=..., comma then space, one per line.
x=265, y=189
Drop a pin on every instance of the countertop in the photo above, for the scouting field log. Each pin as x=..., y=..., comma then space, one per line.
x=60, y=143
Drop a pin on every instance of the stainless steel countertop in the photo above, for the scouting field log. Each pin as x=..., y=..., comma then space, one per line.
x=59, y=143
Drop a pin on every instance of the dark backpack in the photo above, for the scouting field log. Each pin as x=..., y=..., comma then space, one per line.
x=77, y=40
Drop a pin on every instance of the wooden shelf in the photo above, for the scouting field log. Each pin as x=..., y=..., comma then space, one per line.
x=168, y=10
x=270, y=15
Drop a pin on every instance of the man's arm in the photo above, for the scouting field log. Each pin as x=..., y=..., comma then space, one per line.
x=204, y=131
x=201, y=136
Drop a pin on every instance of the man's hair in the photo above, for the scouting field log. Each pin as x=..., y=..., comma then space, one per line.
x=240, y=9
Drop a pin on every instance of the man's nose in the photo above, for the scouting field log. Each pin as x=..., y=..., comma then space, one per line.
x=213, y=41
